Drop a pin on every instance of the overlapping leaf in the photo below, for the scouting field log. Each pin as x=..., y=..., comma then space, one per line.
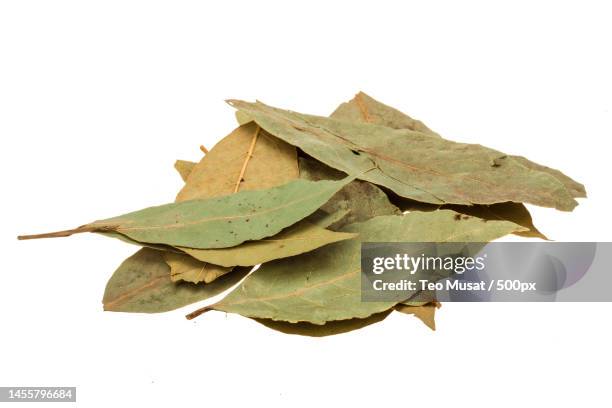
x=264, y=161
x=186, y=268
x=425, y=312
x=306, y=235
x=413, y=164
x=322, y=330
x=365, y=109
x=324, y=285
x=246, y=159
x=514, y=212
x=359, y=199
x=142, y=284
x=219, y=222
x=248, y=202
x=302, y=237
x=297, y=239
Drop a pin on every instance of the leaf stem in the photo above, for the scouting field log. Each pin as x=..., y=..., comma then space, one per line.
x=67, y=233
x=198, y=312
x=248, y=157
x=58, y=234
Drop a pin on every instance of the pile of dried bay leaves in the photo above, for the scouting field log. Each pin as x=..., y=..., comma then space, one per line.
x=297, y=194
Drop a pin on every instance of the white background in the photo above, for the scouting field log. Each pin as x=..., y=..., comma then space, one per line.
x=97, y=100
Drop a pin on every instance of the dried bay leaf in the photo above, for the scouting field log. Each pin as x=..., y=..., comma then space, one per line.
x=186, y=268
x=411, y=163
x=182, y=266
x=126, y=239
x=575, y=188
x=218, y=222
x=297, y=239
x=271, y=163
x=184, y=168
x=304, y=236
x=514, y=212
x=242, y=118
x=425, y=312
x=307, y=236
x=142, y=284
x=360, y=200
x=330, y=328
x=363, y=108
x=246, y=159
x=325, y=285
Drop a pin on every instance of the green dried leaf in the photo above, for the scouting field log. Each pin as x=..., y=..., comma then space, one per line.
x=184, y=168
x=184, y=267
x=272, y=162
x=365, y=109
x=297, y=239
x=246, y=159
x=142, y=284
x=302, y=237
x=576, y=189
x=324, y=285
x=413, y=164
x=219, y=222
x=514, y=212
x=262, y=160
x=121, y=237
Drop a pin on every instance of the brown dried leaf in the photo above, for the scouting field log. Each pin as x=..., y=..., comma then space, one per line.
x=273, y=163
x=189, y=269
